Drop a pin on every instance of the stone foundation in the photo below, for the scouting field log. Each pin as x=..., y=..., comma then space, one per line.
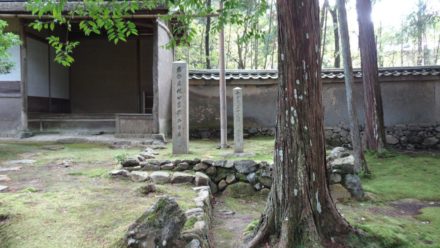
x=402, y=137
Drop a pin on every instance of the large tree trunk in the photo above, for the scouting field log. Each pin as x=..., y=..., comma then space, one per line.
x=374, y=125
x=337, y=54
x=359, y=158
x=300, y=211
x=207, y=33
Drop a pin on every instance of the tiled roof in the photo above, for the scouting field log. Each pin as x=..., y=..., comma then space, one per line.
x=326, y=73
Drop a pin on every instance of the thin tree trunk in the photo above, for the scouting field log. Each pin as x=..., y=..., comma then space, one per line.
x=437, y=53
x=380, y=46
x=228, y=49
x=337, y=53
x=374, y=125
x=359, y=159
x=269, y=35
x=323, y=24
x=207, y=34
x=240, y=53
x=300, y=211
x=222, y=90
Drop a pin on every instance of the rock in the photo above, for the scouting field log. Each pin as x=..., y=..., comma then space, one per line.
x=180, y=177
x=239, y=190
x=135, y=168
x=130, y=162
x=220, y=163
x=229, y=164
x=231, y=179
x=258, y=186
x=222, y=173
x=194, y=212
x=391, y=140
x=211, y=171
x=252, y=178
x=200, y=167
x=147, y=155
x=344, y=165
x=139, y=176
x=160, y=226
x=241, y=177
x=335, y=178
x=147, y=189
x=339, y=193
x=3, y=188
x=246, y=166
x=119, y=173
x=10, y=169
x=338, y=152
x=201, y=179
x=169, y=166
x=195, y=243
x=353, y=184
x=208, y=162
x=160, y=177
x=182, y=166
x=222, y=185
x=4, y=178
x=431, y=141
x=140, y=158
x=213, y=187
x=265, y=181
x=150, y=166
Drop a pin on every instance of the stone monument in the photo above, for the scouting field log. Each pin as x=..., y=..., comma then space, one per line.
x=238, y=120
x=180, y=108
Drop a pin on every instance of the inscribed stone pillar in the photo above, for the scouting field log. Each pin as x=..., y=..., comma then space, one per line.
x=180, y=108
x=238, y=120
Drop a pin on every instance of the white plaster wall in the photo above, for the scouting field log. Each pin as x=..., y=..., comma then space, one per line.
x=15, y=73
x=37, y=68
x=59, y=79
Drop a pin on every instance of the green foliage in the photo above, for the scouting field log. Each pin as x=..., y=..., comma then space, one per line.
x=110, y=17
x=121, y=157
x=7, y=40
x=251, y=227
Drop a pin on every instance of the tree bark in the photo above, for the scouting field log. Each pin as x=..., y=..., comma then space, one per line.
x=300, y=211
x=374, y=125
x=207, y=34
x=337, y=53
x=359, y=159
x=323, y=24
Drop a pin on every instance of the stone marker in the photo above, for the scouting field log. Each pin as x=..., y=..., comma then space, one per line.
x=238, y=120
x=180, y=108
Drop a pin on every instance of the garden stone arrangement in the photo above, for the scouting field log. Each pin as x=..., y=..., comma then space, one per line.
x=220, y=174
x=211, y=177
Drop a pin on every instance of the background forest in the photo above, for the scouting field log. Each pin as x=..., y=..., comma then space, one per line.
x=407, y=34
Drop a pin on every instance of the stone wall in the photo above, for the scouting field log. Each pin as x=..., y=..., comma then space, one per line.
x=411, y=101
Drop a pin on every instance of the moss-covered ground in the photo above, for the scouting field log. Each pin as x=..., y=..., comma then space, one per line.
x=53, y=205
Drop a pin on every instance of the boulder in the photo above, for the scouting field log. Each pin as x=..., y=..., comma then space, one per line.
x=391, y=140
x=353, y=184
x=195, y=243
x=231, y=179
x=344, y=165
x=159, y=227
x=222, y=185
x=220, y=163
x=160, y=177
x=339, y=193
x=4, y=178
x=180, y=177
x=335, y=178
x=147, y=155
x=246, y=166
x=252, y=178
x=338, y=152
x=139, y=176
x=182, y=166
x=201, y=179
x=222, y=173
x=431, y=141
x=130, y=162
x=239, y=190
x=3, y=188
x=119, y=174
x=211, y=171
x=150, y=166
x=201, y=167
x=265, y=181
x=168, y=166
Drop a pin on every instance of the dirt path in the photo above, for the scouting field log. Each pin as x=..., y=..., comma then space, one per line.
x=231, y=217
